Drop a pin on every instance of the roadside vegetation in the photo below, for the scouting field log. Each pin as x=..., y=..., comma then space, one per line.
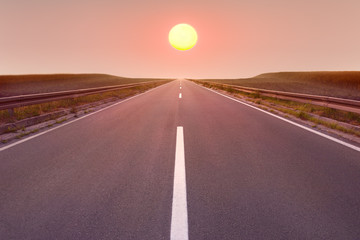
x=343, y=121
x=21, y=113
x=334, y=84
x=14, y=85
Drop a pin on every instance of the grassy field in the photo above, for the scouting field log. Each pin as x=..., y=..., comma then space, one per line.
x=12, y=85
x=335, y=84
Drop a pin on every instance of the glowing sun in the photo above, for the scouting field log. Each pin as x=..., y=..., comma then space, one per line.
x=183, y=37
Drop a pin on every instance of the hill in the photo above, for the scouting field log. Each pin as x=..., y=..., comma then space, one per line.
x=11, y=85
x=335, y=84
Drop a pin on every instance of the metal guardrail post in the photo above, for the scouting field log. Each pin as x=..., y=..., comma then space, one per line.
x=326, y=101
x=25, y=100
x=11, y=112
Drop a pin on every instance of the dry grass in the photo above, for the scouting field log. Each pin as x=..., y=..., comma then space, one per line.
x=338, y=115
x=24, y=134
x=335, y=84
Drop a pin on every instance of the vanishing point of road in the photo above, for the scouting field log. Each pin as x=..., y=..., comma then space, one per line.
x=179, y=162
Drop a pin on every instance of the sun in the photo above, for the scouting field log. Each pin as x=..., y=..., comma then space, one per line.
x=183, y=37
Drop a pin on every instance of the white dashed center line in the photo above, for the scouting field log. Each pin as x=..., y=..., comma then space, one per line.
x=179, y=214
x=180, y=95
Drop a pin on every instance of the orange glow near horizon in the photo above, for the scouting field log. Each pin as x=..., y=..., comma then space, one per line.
x=131, y=38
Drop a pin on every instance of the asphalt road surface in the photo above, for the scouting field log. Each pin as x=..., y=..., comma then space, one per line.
x=197, y=167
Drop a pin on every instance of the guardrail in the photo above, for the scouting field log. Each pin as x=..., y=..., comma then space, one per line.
x=25, y=100
x=332, y=102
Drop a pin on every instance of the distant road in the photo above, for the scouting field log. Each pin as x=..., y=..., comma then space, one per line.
x=239, y=174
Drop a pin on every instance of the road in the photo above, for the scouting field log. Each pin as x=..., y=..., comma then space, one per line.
x=240, y=174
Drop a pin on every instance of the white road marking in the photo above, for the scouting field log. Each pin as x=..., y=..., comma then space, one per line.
x=75, y=120
x=180, y=96
x=288, y=121
x=179, y=215
x=180, y=87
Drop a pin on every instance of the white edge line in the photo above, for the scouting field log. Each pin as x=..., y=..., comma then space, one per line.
x=179, y=215
x=77, y=119
x=286, y=120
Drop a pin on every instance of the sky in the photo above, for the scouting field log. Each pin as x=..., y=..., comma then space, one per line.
x=236, y=38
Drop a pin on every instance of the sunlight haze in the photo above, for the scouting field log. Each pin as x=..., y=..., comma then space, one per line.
x=130, y=38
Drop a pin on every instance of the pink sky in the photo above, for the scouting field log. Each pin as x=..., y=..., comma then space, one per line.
x=130, y=38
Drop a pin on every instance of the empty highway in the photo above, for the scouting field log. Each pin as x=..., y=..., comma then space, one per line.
x=179, y=162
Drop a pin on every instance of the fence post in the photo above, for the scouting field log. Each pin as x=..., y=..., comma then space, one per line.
x=11, y=112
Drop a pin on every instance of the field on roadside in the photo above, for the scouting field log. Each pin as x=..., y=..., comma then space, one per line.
x=12, y=85
x=21, y=113
x=32, y=84
x=334, y=84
